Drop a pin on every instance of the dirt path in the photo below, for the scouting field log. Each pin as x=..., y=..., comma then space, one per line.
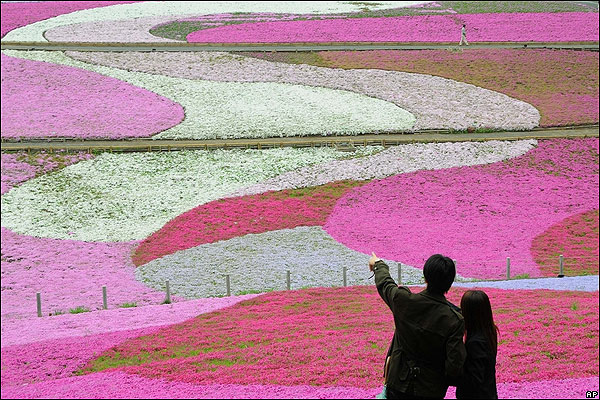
x=341, y=142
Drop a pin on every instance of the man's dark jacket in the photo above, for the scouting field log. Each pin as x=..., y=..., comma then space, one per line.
x=427, y=352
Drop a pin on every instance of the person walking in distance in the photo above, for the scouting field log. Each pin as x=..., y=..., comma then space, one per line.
x=463, y=36
x=427, y=352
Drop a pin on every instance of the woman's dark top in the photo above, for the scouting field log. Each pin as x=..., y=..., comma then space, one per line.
x=479, y=377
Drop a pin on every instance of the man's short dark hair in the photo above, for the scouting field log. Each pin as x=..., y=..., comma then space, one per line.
x=439, y=272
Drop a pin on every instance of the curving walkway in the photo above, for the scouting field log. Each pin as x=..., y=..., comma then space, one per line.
x=343, y=143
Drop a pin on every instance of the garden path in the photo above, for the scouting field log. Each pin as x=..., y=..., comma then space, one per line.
x=342, y=142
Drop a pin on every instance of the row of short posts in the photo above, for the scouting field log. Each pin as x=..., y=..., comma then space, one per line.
x=288, y=281
x=561, y=267
x=38, y=298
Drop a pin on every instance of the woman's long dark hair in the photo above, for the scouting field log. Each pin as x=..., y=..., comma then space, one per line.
x=477, y=311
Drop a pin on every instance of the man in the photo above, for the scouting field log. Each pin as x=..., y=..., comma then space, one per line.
x=427, y=352
x=463, y=36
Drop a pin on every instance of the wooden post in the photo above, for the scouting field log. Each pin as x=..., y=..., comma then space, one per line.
x=345, y=278
x=228, y=285
x=561, y=265
x=104, y=302
x=168, y=298
x=507, y=267
x=38, y=298
x=399, y=274
x=288, y=280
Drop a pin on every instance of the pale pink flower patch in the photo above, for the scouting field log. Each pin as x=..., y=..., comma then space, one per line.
x=17, y=14
x=68, y=274
x=42, y=100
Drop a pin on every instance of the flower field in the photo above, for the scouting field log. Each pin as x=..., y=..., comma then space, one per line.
x=220, y=110
x=45, y=92
x=306, y=196
x=525, y=27
x=240, y=231
x=181, y=28
x=432, y=101
x=132, y=22
x=317, y=342
x=399, y=217
x=98, y=201
x=301, y=101
x=561, y=84
x=234, y=20
x=197, y=248
x=312, y=336
x=18, y=168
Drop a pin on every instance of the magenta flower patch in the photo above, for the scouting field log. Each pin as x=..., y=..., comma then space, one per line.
x=339, y=337
x=113, y=385
x=18, y=14
x=42, y=100
x=478, y=215
x=53, y=359
x=573, y=388
x=518, y=27
x=119, y=385
x=332, y=340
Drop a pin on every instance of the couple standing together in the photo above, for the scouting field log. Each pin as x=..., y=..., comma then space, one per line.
x=427, y=353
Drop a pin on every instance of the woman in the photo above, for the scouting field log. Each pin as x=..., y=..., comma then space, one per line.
x=479, y=377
